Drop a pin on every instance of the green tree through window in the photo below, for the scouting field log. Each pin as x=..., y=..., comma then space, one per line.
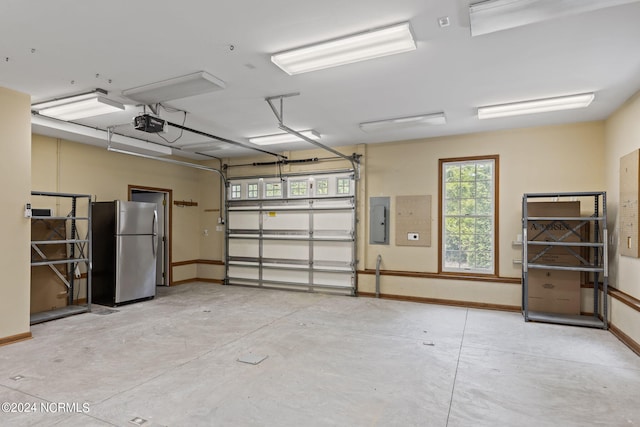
x=468, y=220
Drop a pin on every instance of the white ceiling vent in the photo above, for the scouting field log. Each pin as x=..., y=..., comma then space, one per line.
x=175, y=88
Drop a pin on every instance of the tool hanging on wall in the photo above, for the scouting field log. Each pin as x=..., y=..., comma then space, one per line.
x=184, y=203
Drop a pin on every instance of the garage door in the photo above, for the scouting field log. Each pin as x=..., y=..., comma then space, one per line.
x=294, y=232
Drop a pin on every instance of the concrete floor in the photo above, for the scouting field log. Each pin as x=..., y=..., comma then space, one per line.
x=331, y=360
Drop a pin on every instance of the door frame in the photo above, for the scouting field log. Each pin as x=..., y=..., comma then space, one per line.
x=169, y=214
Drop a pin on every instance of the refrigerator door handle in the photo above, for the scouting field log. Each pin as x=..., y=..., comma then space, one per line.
x=154, y=236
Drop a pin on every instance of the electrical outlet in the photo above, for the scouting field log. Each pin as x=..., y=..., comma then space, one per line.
x=413, y=236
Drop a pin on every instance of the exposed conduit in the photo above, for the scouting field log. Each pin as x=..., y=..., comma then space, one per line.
x=378, y=261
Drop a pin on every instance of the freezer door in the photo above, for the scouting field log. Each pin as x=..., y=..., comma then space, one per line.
x=135, y=218
x=135, y=268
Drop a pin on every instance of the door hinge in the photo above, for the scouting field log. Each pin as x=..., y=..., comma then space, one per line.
x=164, y=202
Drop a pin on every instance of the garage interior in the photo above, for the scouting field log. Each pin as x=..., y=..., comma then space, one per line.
x=438, y=228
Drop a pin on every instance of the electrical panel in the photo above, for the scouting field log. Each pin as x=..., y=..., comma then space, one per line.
x=379, y=220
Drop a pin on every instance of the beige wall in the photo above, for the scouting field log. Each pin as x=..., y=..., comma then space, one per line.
x=63, y=166
x=565, y=158
x=622, y=132
x=546, y=159
x=15, y=174
x=211, y=232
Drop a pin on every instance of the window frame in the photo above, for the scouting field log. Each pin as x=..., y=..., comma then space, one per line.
x=496, y=209
x=274, y=184
x=339, y=180
x=324, y=189
x=233, y=195
x=294, y=185
x=249, y=190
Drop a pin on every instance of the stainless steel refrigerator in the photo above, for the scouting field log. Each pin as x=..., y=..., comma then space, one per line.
x=124, y=242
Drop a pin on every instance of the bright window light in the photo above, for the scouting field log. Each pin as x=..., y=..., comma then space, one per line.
x=346, y=50
x=536, y=106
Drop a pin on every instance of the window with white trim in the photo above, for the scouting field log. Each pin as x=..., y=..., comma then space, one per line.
x=298, y=188
x=344, y=186
x=469, y=215
x=236, y=191
x=252, y=190
x=273, y=189
x=322, y=187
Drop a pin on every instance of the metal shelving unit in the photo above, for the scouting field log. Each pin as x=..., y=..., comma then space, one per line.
x=590, y=252
x=268, y=271
x=78, y=251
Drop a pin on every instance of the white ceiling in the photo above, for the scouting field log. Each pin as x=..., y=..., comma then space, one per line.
x=51, y=49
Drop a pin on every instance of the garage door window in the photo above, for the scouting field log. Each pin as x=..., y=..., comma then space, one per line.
x=273, y=189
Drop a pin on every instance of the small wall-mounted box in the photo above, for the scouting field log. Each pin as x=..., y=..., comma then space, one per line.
x=413, y=236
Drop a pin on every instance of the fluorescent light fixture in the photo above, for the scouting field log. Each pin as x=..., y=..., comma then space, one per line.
x=78, y=106
x=175, y=88
x=404, y=122
x=200, y=146
x=490, y=16
x=536, y=106
x=346, y=50
x=281, y=138
x=89, y=135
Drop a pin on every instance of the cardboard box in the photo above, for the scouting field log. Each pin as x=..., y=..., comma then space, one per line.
x=554, y=291
x=48, y=292
x=551, y=231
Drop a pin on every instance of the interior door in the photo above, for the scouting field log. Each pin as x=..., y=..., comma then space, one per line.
x=160, y=199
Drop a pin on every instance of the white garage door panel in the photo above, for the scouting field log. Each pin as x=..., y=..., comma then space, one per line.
x=333, y=221
x=285, y=221
x=244, y=221
x=244, y=272
x=244, y=248
x=332, y=251
x=285, y=249
x=278, y=235
x=333, y=279
x=290, y=276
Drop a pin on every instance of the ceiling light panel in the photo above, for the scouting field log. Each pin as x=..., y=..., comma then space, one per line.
x=346, y=50
x=404, y=122
x=175, y=88
x=281, y=138
x=78, y=106
x=536, y=106
x=201, y=147
x=490, y=16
